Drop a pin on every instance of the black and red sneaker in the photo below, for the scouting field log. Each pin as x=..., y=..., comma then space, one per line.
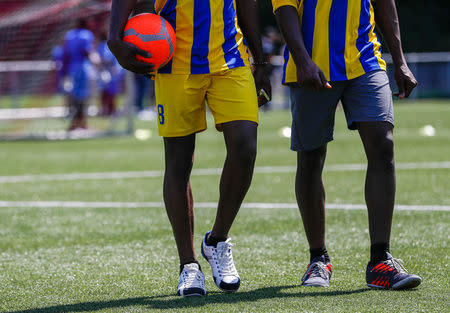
x=318, y=273
x=390, y=274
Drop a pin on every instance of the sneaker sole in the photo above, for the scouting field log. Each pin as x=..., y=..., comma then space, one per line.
x=376, y=286
x=194, y=294
x=224, y=290
x=315, y=285
x=407, y=283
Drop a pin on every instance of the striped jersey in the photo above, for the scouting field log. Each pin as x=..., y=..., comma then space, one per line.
x=208, y=36
x=338, y=35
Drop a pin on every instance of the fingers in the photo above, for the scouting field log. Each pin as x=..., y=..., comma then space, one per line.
x=405, y=87
x=261, y=100
x=401, y=89
x=142, y=53
x=268, y=87
x=410, y=85
x=324, y=81
x=139, y=67
x=136, y=50
x=406, y=82
x=317, y=82
x=263, y=97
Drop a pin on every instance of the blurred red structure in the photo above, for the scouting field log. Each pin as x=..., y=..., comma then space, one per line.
x=30, y=29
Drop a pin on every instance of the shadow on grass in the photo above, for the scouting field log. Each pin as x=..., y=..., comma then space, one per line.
x=173, y=302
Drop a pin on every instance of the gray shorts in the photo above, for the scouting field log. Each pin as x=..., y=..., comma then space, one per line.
x=367, y=98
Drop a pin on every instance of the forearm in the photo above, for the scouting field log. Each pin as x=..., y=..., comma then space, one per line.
x=387, y=20
x=247, y=14
x=120, y=11
x=289, y=24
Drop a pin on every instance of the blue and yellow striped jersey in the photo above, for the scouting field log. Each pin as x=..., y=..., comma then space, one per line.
x=339, y=36
x=208, y=36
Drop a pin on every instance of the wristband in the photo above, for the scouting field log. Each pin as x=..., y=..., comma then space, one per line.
x=260, y=63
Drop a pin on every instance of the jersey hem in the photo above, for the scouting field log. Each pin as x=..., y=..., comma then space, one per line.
x=184, y=71
x=349, y=77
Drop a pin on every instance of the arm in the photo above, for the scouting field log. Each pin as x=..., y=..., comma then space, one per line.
x=387, y=20
x=309, y=75
x=123, y=51
x=247, y=14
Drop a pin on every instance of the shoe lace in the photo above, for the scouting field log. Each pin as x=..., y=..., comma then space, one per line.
x=317, y=269
x=225, y=259
x=397, y=264
x=192, y=278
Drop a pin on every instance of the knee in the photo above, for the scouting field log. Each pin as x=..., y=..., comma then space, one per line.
x=244, y=149
x=313, y=159
x=178, y=169
x=382, y=152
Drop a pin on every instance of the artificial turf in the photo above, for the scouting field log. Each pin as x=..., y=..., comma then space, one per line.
x=113, y=259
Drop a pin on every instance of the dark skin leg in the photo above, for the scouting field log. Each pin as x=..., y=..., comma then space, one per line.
x=377, y=138
x=240, y=140
x=178, y=198
x=310, y=194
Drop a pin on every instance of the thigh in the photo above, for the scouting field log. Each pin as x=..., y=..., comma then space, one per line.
x=179, y=152
x=313, y=116
x=180, y=104
x=232, y=96
x=368, y=98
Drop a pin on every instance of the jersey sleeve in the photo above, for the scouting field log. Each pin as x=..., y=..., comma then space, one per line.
x=279, y=3
x=158, y=5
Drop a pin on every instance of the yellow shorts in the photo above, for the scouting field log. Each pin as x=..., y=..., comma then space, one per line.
x=181, y=100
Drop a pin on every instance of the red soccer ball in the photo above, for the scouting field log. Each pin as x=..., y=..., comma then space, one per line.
x=152, y=33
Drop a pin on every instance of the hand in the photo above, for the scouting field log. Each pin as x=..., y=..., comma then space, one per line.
x=405, y=80
x=311, y=77
x=125, y=54
x=262, y=81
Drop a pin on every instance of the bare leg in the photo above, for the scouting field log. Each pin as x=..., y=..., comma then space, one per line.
x=240, y=140
x=311, y=195
x=178, y=194
x=377, y=138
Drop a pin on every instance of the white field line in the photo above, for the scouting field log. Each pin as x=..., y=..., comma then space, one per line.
x=134, y=205
x=205, y=172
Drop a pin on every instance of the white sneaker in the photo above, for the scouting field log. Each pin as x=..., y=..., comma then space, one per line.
x=192, y=281
x=222, y=265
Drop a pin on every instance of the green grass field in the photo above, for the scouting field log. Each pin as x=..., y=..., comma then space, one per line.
x=97, y=256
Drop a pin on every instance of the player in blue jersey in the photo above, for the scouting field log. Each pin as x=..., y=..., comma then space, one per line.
x=58, y=58
x=334, y=55
x=78, y=69
x=210, y=64
x=110, y=78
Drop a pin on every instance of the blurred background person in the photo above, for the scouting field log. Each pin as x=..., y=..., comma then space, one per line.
x=110, y=78
x=78, y=70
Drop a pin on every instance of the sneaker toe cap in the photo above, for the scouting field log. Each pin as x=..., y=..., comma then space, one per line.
x=192, y=292
x=316, y=282
x=230, y=283
x=411, y=281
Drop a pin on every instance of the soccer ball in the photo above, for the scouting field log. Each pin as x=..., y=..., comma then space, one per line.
x=152, y=33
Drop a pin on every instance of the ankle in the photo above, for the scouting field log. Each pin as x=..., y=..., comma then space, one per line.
x=189, y=262
x=317, y=252
x=213, y=241
x=378, y=252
